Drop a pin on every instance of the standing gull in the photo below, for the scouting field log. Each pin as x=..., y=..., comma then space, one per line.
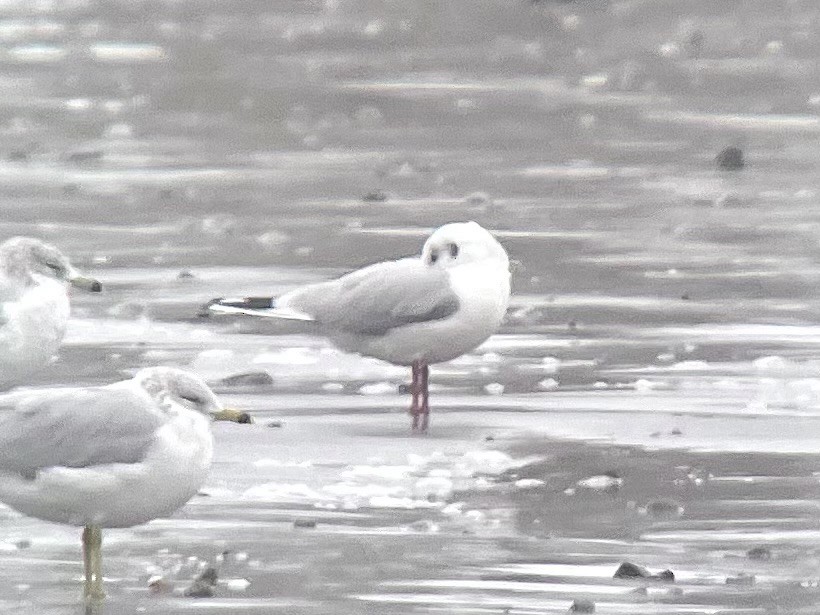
x=413, y=311
x=34, y=306
x=108, y=456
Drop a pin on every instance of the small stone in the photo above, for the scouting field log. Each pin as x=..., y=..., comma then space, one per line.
x=238, y=585
x=676, y=432
x=308, y=523
x=664, y=508
x=24, y=543
x=199, y=589
x=666, y=576
x=375, y=196
x=730, y=159
x=489, y=438
x=628, y=570
x=759, y=553
x=275, y=424
x=185, y=274
x=743, y=579
x=209, y=575
x=582, y=606
x=248, y=379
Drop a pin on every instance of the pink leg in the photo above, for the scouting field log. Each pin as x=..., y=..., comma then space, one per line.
x=415, y=389
x=425, y=396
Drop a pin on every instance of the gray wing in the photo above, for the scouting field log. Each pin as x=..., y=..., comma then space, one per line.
x=75, y=428
x=378, y=298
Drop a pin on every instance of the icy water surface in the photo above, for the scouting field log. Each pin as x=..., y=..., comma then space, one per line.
x=651, y=398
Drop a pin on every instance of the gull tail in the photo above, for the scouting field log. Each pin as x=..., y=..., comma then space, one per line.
x=251, y=306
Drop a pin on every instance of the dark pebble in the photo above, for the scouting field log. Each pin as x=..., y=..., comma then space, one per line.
x=248, y=379
x=676, y=432
x=310, y=523
x=489, y=438
x=18, y=156
x=275, y=424
x=25, y=543
x=667, y=576
x=628, y=570
x=199, y=589
x=185, y=274
x=582, y=606
x=730, y=159
x=759, y=553
x=663, y=508
x=685, y=297
x=376, y=196
x=209, y=575
x=404, y=389
x=743, y=579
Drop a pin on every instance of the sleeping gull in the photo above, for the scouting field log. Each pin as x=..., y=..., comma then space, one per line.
x=34, y=306
x=108, y=456
x=413, y=311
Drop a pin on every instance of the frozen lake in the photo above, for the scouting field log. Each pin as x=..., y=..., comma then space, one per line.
x=663, y=326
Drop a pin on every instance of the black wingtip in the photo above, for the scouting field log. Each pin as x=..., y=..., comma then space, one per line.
x=248, y=303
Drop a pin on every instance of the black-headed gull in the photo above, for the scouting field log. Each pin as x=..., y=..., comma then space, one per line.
x=413, y=311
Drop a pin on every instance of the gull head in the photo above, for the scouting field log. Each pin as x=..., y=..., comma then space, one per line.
x=461, y=243
x=26, y=257
x=170, y=386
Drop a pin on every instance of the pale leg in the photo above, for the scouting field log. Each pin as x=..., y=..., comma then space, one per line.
x=92, y=558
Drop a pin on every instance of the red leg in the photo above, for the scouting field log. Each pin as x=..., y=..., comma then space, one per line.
x=415, y=389
x=425, y=396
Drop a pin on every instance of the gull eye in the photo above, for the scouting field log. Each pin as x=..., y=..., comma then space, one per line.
x=453, y=250
x=433, y=256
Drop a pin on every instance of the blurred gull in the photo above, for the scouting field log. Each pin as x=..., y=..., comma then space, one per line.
x=34, y=306
x=108, y=456
x=412, y=311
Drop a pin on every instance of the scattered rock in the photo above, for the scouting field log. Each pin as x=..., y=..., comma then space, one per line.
x=628, y=570
x=185, y=274
x=730, y=159
x=664, y=509
x=199, y=589
x=209, y=575
x=609, y=481
x=759, y=553
x=203, y=585
x=158, y=585
x=308, y=523
x=275, y=424
x=676, y=432
x=24, y=543
x=582, y=606
x=249, y=379
x=376, y=196
x=478, y=199
x=743, y=580
x=489, y=438
x=238, y=585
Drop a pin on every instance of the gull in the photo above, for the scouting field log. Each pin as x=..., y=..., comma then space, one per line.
x=108, y=456
x=34, y=305
x=412, y=311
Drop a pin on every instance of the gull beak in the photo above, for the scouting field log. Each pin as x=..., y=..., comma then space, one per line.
x=233, y=415
x=84, y=283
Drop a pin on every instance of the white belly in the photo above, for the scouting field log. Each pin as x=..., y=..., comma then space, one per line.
x=121, y=495
x=483, y=297
x=34, y=327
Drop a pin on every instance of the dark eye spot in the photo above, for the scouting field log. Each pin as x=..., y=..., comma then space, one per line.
x=433, y=256
x=190, y=398
x=54, y=267
x=453, y=250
